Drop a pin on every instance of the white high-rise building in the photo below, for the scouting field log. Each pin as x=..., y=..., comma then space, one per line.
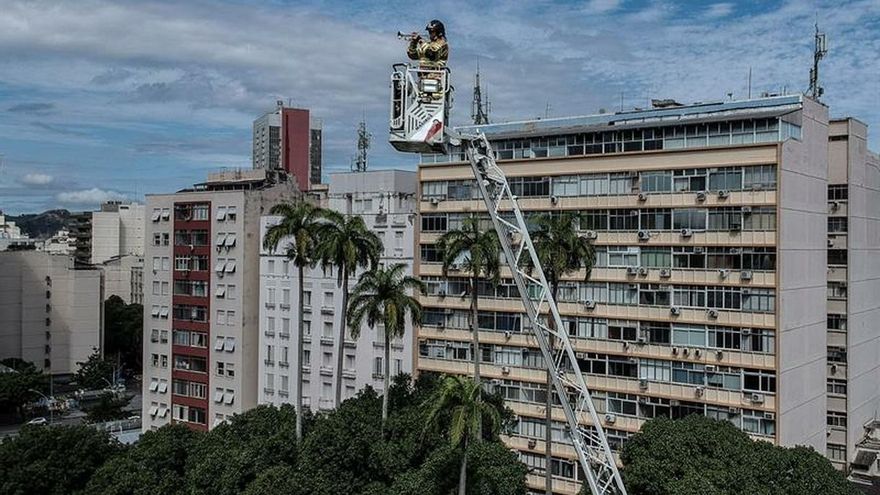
x=201, y=285
x=386, y=201
x=116, y=230
x=50, y=310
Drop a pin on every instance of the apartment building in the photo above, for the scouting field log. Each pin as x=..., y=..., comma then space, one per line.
x=853, y=285
x=116, y=230
x=50, y=310
x=124, y=277
x=201, y=283
x=385, y=199
x=708, y=295
x=289, y=139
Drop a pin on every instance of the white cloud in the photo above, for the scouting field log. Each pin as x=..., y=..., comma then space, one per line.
x=36, y=179
x=719, y=10
x=91, y=196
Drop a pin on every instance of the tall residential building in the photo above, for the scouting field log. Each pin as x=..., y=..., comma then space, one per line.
x=853, y=288
x=62, y=242
x=124, y=277
x=50, y=310
x=708, y=295
x=201, y=294
x=289, y=139
x=385, y=199
x=116, y=230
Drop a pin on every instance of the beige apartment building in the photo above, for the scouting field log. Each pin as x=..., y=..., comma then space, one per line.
x=853, y=288
x=50, y=310
x=201, y=296
x=709, y=291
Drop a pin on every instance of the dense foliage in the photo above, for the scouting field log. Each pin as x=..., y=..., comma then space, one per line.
x=109, y=407
x=702, y=456
x=123, y=333
x=94, y=373
x=18, y=387
x=345, y=451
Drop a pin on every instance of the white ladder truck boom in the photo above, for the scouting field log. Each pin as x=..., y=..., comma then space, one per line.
x=420, y=103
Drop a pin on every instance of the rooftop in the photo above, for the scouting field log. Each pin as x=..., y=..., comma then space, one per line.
x=669, y=115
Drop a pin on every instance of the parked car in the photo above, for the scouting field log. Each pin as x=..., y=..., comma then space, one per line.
x=38, y=421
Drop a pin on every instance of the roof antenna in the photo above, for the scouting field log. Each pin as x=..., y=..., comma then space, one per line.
x=750, y=83
x=479, y=109
x=819, y=51
x=363, y=144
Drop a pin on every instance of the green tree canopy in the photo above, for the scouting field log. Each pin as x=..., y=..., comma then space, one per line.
x=57, y=460
x=123, y=332
x=155, y=465
x=109, y=407
x=698, y=456
x=17, y=386
x=94, y=373
x=229, y=458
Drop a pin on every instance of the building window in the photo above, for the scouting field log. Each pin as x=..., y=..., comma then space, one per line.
x=836, y=419
x=837, y=322
x=836, y=452
x=837, y=192
x=836, y=290
x=836, y=386
x=836, y=225
x=836, y=354
x=837, y=257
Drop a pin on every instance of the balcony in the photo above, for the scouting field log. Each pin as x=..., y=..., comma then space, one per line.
x=326, y=370
x=327, y=310
x=348, y=373
x=327, y=340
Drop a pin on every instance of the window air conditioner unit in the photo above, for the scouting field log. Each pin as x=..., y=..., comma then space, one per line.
x=675, y=351
x=719, y=355
x=532, y=443
x=592, y=234
x=769, y=415
x=554, y=199
x=496, y=381
x=685, y=351
x=508, y=334
x=675, y=310
x=505, y=370
x=665, y=273
x=757, y=399
x=610, y=418
x=643, y=196
x=747, y=210
x=830, y=242
x=644, y=235
x=590, y=304
x=724, y=193
x=712, y=313
x=643, y=383
x=710, y=368
x=698, y=249
x=643, y=271
x=632, y=270
x=697, y=352
x=835, y=205
x=723, y=273
x=733, y=411
x=698, y=391
x=701, y=196
x=435, y=201
x=687, y=232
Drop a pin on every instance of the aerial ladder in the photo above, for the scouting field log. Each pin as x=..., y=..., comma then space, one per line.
x=420, y=103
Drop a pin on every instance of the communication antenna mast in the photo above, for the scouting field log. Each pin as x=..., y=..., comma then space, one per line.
x=363, y=144
x=479, y=109
x=819, y=53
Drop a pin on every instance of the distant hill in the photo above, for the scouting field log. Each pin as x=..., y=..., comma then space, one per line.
x=42, y=225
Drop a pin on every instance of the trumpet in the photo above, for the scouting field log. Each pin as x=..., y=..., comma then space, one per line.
x=407, y=36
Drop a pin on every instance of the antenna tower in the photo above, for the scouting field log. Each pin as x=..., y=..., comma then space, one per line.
x=819, y=53
x=363, y=144
x=479, y=109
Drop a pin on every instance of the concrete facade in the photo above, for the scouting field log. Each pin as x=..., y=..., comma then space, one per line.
x=385, y=199
x=708, y=295
x=289, y=139
x=50, y=311
x=201, y=329
x=116, y=230
x=853, y=308
x=124, y=277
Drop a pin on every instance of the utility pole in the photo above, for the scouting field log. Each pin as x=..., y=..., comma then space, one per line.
x=479, y=109
x=819, y=52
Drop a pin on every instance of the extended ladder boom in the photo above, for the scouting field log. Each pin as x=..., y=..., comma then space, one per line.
x=590, y=444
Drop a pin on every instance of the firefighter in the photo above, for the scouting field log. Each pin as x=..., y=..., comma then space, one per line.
x=431, y=54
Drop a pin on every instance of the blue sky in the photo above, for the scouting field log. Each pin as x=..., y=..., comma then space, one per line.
x=105, y=99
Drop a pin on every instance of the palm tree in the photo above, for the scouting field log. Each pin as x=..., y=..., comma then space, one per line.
x=477, y=251
x=457, y=400
x=298, y=226
x=382, y=296
x=346, y=243
x=561, y=251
